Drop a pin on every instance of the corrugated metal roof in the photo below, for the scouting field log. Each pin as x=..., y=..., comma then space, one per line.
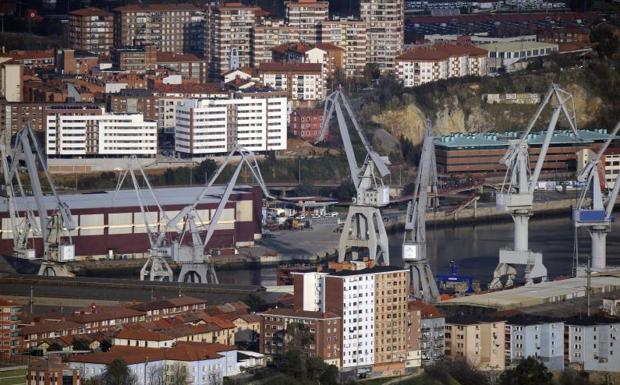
x=167, y=196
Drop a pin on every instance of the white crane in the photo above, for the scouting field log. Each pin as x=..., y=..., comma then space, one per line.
x=54, y=229
x=517, y=193
x=363, y=228
x=414, y=249
x=196, y=266
x=597, y=215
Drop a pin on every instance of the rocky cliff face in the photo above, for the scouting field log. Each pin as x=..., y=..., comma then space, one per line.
x=463, y=110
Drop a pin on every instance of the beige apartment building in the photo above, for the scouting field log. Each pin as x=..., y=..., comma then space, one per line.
x=228, y=36
x=385, y=31
x=306, y=17
x=350, y=35
x=481, y=343
x=169, y=27
x=268, y=34
x=91, y=29
x=304, y=83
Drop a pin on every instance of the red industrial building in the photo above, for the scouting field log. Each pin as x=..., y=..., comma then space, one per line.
x=110, y=225
x=306, y=123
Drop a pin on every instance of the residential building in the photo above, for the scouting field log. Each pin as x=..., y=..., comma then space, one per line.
x=413, y=336
x=91, y=29
x=52, y=371
x=373, y=332
x=328, y=55
x=591, y=344
x=169, y=307
x=138, y=59
x=538, y=338
x=511, y=56
x=9, y=319
x=268, y=34
x=481, y=343
x=303, y=82
x=254, y=120
x=567, y=34
x=75, y=62
x=306, y=123
x=14, y=116
x=205, y=364
x=32, y=59
x=189, y=66
x=432, y=332
x=102, y=134
x=306, y=16
x=350, y=35
x=426, y=64
x=177, y=27
x=280, y=330
x=133, y=101
x=11, y=80
x=228, y=36
x=384, y=21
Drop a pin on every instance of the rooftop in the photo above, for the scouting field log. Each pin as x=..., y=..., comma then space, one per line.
x=371, y=270
x=426, y=310
x=287, y=312
x=156, y=7
x=290, y=67
x=169, y=303
x=441, y=52
x=516, y=46
x=90, y=11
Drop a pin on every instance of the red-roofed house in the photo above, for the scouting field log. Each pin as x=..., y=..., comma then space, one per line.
x=427, y=64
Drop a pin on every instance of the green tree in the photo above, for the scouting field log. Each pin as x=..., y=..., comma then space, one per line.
x=572, y=377
x=105, y=345
x=293, y=363
x=605, y=41
x=329, y=376
x=54, y=347
x=117, y=373
x=80, y=344
x=530, y=371
x=256, y=302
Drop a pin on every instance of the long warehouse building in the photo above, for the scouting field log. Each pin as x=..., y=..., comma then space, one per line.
x=110, y=225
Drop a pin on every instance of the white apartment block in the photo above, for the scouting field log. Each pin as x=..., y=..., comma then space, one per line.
x=215, y=126
x=385, y=31
x=267, y=35
x=427, y=64
x=306, y=16
x=511, y=55
x=100, y=135
x=350, y=35
x=541, y=340
x=594, y=346
x=301, y=81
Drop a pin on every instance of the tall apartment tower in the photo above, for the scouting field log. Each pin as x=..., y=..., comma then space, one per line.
x=350, y=35
x=385, y=31
x=228, y=36
x=169, y=27
x=306, y=16
x=372, y=303
x=268, y=34
x=91, y=29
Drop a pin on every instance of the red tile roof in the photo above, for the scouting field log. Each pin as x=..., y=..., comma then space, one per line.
x=8, y=302
x=290, y=67
x=90, y=11
x=49, y=326
x=186, y=88
x=103, y=313
x=286, y=312
x=441, y=52
x=156, y=7
x=427, y=310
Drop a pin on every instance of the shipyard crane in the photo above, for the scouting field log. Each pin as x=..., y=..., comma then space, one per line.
x=196, y=265
x=597, y=215
x=55, y=229
x=156, y=267
x=414, y=250
x=363, y=228
x=517, y=192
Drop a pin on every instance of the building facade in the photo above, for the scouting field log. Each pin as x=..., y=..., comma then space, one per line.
x=384, y=21
x=100, y=135
x=175, y=27
x=279, y=328
x=9, y=335
x=11, y=83
x=268, y=34
x=303, y=82
x=539, y=339
x=306, y=123
x=306, y=16
x=506, y=56
x=256, y=122
x=432, y=332
x=137, y=59
x=480, y=343
x=91, y=29
x=134, y=101
x=427, y=64
x=13, y=116
x=350, y=35
x=189, y=66
x=590, y=344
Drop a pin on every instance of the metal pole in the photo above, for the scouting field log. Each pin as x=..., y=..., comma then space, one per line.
x=588, y=285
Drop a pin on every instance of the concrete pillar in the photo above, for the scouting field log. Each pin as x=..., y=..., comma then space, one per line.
x=521, y=229
x=599, y=252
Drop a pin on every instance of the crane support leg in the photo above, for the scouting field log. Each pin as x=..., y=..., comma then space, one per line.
x=53, y=269
x=599, y=252
x=503, y=270
x=198, y=273
x=156, y=269
x=364, y=229
x=423, y=283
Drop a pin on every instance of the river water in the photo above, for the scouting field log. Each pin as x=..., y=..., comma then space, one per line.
x=475, y=248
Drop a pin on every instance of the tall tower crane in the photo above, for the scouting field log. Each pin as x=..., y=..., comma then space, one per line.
x=196, y=265
x=597, y=215
x=363, y=229
x=415, y=258
x=54, y=229
x=517, y=193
